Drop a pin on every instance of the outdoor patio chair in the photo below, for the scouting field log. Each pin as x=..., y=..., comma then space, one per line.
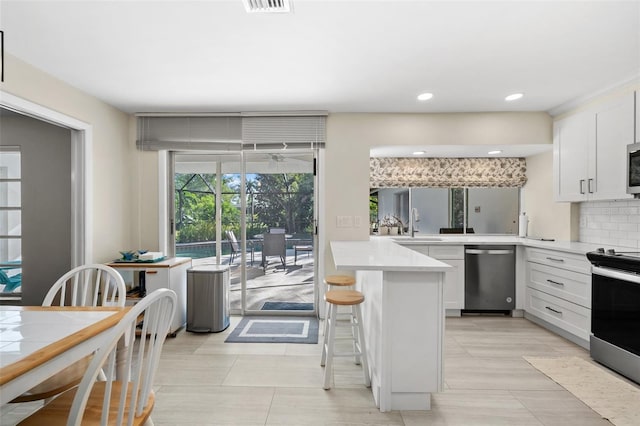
x=274, y=245
x=235, y=246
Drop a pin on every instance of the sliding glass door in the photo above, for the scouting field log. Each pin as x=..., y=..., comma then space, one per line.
x=280, y=219
x=254, y=212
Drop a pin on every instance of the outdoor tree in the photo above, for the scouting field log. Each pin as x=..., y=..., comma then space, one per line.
x=285, y=200
x=195, y=207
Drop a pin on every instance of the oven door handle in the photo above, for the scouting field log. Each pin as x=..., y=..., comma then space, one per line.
x=610, y=273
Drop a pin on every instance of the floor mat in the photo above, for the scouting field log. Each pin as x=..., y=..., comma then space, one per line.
x=270, y=329
x=287, y=306
x=612, y=398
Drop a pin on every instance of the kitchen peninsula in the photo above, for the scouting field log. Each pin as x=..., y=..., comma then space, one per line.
x=403, y=318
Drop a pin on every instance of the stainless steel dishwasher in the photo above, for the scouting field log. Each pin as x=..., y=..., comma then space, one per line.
x=490, y=278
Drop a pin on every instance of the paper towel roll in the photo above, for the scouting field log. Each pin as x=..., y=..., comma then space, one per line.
x=523, y=225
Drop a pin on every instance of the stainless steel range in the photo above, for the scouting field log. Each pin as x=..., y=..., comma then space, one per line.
x=615, y=311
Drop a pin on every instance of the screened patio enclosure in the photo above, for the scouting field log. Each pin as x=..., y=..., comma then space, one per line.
x=226, y=208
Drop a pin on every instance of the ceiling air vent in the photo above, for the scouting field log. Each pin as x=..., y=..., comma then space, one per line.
x=267, y=6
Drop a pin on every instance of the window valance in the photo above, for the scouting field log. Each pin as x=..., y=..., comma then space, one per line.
x=447, y=172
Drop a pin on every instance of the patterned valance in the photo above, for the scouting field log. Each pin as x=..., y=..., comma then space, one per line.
x=448, y=172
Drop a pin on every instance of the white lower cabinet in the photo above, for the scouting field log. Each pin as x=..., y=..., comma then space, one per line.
x=559, y=292
x=452, y=255
x=568, y=316
x=454, y=278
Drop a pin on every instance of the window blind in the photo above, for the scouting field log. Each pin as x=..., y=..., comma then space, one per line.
x=283, y=131
x=249, y=131
x=190, y=133
x=448, y=172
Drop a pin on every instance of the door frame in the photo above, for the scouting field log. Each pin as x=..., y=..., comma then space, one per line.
x=166, y=168
x=81, y=171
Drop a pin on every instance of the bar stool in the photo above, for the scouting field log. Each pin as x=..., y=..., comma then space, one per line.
x=344, y=298
x=339, y=281
x=343, y=281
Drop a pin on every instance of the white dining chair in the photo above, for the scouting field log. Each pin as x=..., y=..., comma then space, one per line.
x=86, y=285
x=119, y=401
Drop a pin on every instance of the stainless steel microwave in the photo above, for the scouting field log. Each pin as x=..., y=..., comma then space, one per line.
x=633, y=169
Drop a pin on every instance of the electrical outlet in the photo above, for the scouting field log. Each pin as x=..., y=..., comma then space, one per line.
x=583, y=221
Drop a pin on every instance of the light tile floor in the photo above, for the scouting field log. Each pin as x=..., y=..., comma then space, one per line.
x=204, y=381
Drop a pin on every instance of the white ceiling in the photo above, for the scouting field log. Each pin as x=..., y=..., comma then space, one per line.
x=340, y=56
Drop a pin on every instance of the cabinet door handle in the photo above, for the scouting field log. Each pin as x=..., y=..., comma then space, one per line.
x=555, y=259
x=555, y=282
x=553, y=310
x=589, y=186
x=582, y=186
x=151, y=272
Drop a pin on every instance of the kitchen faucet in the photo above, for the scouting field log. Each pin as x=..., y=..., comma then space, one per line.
x=415, y=218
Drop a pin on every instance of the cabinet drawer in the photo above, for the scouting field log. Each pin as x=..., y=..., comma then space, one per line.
x=568, y=316
x=559, y=259
x=568, y=285
x=447, y=252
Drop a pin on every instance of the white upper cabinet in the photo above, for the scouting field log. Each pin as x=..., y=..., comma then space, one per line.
x=614, y=131
x=573, y=138
x=590, y=150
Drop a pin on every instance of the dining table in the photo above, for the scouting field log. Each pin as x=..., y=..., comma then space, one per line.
x=36, y=342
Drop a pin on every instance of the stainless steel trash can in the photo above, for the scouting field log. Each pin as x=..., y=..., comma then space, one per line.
x=207, y=298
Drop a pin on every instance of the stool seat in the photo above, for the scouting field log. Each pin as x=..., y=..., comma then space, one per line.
x=336, y=298
x=344, y=297
x=340, y=280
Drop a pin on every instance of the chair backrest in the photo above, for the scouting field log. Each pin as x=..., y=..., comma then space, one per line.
x=88, y=285
x=274, y=245
x=233, y=241
x=131, y=396
x=276, y=230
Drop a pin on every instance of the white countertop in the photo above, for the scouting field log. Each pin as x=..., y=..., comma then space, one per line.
x=566, y=246
x=381, y=254
x=387, y=253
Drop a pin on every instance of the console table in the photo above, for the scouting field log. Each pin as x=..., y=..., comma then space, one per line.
x=146, y=277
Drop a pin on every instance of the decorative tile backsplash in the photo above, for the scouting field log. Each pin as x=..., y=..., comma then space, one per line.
x=614, y=223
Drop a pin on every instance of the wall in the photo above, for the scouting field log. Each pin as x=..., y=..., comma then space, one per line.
x=615, y=223
x=547, y=219
x=351, y=136
x=46, y=201
x=113, y=161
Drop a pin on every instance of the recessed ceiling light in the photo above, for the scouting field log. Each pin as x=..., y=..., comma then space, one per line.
x=418, y=152
x=494, y=152
x=425, y=96
x=514, y=96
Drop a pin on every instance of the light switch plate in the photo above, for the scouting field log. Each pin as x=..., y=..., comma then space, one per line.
x=357, y=221
x=344, y=221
